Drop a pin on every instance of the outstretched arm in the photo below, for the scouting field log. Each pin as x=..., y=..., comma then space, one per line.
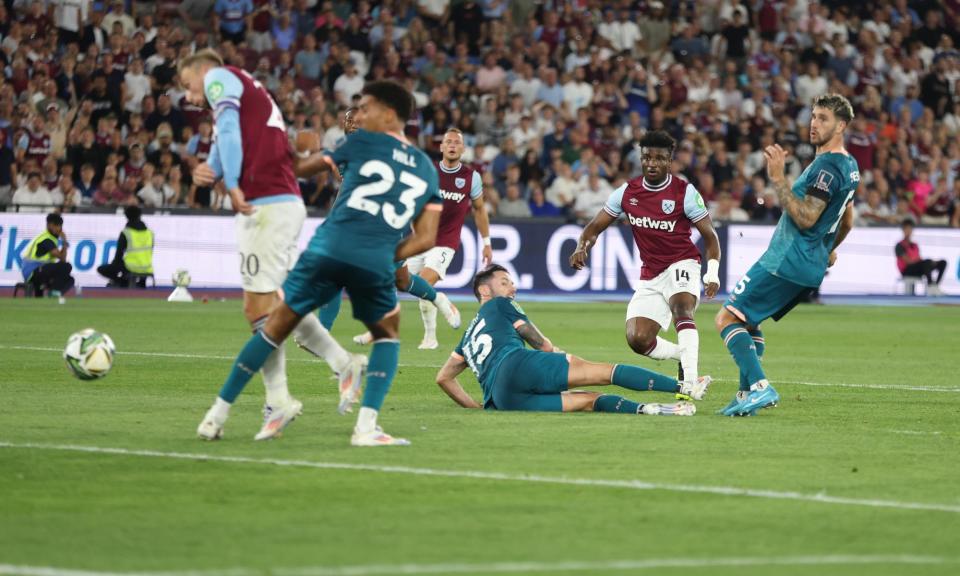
x=805, y=211
x=447, y=380
x=313, y=165
x=711, y=279
x=588, y=238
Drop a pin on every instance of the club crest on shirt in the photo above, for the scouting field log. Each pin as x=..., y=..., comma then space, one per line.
x=824, y=179
x=460, y=182
x=668, y=206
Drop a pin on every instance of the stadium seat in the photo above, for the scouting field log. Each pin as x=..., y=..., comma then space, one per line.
x=910, y=285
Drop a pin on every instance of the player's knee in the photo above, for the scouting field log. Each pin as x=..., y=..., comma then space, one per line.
x=723, y=319
x=682, y=311
x=641, y=343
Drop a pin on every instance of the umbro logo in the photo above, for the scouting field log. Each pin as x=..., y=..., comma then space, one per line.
x=633, y=202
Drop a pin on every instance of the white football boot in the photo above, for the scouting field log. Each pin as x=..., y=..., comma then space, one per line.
x=363, y=339
x=428, y=344
x=211, y=427
x=694, y=390
x=449, y=311
x=350, y=379
x=376, y=437
x=678, y=409
x=276, y=418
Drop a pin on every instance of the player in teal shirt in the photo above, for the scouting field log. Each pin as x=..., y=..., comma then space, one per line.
x=387, y=185
x=815, y=221
x=514, y=377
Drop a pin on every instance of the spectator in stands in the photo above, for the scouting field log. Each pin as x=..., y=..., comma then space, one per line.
x=65, y=195
x=155, y=193
x=874, y=212
x=109, y=193
x=231, y=18
x=134, y=253
x=512, y=205
x=910, y=263
x=724, y=209
x=539, y=206
x=33, y=196
x=45, y=263
x=309, y=61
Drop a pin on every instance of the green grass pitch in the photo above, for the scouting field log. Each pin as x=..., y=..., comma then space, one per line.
x=856, y=472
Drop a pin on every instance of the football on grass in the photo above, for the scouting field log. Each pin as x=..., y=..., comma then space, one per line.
x=89, y=354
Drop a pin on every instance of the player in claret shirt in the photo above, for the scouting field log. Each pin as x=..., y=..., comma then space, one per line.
x=662, y=209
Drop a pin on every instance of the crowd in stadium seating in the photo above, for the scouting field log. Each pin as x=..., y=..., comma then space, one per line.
x=551, y=95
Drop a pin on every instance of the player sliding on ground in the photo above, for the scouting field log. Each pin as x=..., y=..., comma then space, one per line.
x=249, y=156
x=462, y=191
x=661, y=209
x=406, y=280
x=516, y=378
x=815, y=221
x=387, y=184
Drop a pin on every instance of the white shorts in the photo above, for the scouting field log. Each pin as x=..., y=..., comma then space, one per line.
x=652, y=297
x=267, y=241
x=437, y=259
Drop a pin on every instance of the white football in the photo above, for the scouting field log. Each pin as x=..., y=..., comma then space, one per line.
x=89, y=354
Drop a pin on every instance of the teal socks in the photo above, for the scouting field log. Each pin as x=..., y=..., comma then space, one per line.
x=248, y=363
x=641, y=379
x=741, y=346
x=421, y=288
x=381, y=369
x=617, y=404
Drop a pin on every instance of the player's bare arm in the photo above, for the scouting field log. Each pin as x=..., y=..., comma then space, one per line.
x=534, y=337
x=424, y=234
x=588, y=238
x=482, y=221
x=804, y=212
x=846, y=225
x=313, y=165
x=447, y=380
x=711, y=279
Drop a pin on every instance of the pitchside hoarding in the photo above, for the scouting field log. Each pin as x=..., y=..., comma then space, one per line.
x=536, y=253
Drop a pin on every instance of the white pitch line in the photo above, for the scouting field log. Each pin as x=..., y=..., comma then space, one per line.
x=507, y=477
x=846, y=385
x=403, y=365
x=506, y=567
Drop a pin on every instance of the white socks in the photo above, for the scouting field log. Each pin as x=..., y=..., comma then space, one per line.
x=220, y=409
x=366, y=420
x=275, y=377
x=311, y=334
x=665, y=350
x=274, y=371
x=428, y=312
x=689, y=342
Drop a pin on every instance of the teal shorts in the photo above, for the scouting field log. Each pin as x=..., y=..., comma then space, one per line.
x=316, y=279
x=531, y=381
x=760, y=295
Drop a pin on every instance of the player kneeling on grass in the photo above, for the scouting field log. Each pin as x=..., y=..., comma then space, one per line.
x=516, y=378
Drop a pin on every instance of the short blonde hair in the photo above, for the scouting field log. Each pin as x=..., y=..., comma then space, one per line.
x=206, y=55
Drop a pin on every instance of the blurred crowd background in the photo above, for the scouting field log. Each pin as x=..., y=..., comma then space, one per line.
x=551, y=96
